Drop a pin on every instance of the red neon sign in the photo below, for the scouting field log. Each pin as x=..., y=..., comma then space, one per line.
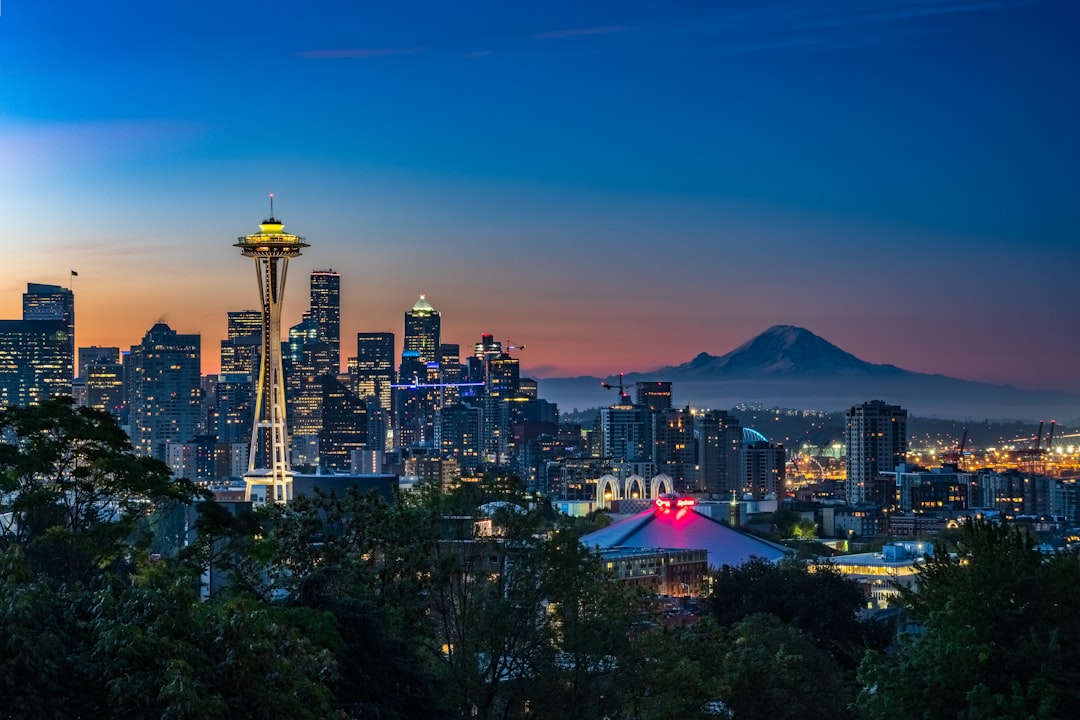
x=664, y=504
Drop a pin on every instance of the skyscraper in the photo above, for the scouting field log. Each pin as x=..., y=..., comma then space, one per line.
x=457, y=434
x=166, y=394
x=423, y=325
x=326, y=314
x=243, y=340
x=876, y=436
x=55, y=304
x=271, y=248
x=50, y=302
x=624, y=433
x=35, y=361
x=372, y=371
x=500, y=393
x=344, y=428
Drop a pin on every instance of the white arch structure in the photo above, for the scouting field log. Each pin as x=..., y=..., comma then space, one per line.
x=660, y=485
x=607, y=488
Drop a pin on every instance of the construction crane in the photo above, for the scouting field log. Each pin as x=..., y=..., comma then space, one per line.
x=497, y=348
x=624, y=397
x=1032, y=457
x=956, y=456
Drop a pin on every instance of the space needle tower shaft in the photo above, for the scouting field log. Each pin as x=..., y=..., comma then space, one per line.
x=269, y=477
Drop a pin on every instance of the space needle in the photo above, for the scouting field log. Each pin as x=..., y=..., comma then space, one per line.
x=271, y=479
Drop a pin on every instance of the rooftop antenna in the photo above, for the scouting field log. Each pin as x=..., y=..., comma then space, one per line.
x=271, y=206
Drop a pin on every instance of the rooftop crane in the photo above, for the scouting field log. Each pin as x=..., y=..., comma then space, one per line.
x=624, y=397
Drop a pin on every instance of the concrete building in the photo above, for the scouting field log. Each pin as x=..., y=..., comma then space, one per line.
x=922, y=490
x=674, y=449
x=762, y=468
x=658, y=571
x=719, y=436
x=876, y=437
x=104, y=384
x=655, y=395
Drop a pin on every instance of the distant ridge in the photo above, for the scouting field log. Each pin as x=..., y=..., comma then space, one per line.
x=790, y=366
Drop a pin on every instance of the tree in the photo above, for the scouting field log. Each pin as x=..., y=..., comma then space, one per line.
x=74, y=495
x=758, y=668
x=821, y=603
x=365, y=564
x=998, y=636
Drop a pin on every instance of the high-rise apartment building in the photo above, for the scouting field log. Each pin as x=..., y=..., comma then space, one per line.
x=876, y=437
x=166, y=393
x=674, y=449
x=762, y=469
x=625, y=433
x=719, y=437
x=423, y=327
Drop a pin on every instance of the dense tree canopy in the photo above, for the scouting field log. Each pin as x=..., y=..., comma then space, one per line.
x=475, y=603
x=74, y=497
x=997, y=635
x=822, y=604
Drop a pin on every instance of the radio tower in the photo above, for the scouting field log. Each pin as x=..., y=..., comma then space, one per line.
x=271, y=248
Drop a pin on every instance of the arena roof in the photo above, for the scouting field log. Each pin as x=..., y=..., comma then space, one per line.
x=673, y=522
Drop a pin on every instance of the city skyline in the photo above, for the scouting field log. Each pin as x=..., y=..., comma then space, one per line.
x=617, y=187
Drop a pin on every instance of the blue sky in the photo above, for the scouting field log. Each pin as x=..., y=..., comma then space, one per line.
x=617, y=185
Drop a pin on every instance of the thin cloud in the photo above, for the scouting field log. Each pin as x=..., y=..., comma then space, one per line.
x=478, y=53
x=339, y=53
x=578, y=32
x=836, y=23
